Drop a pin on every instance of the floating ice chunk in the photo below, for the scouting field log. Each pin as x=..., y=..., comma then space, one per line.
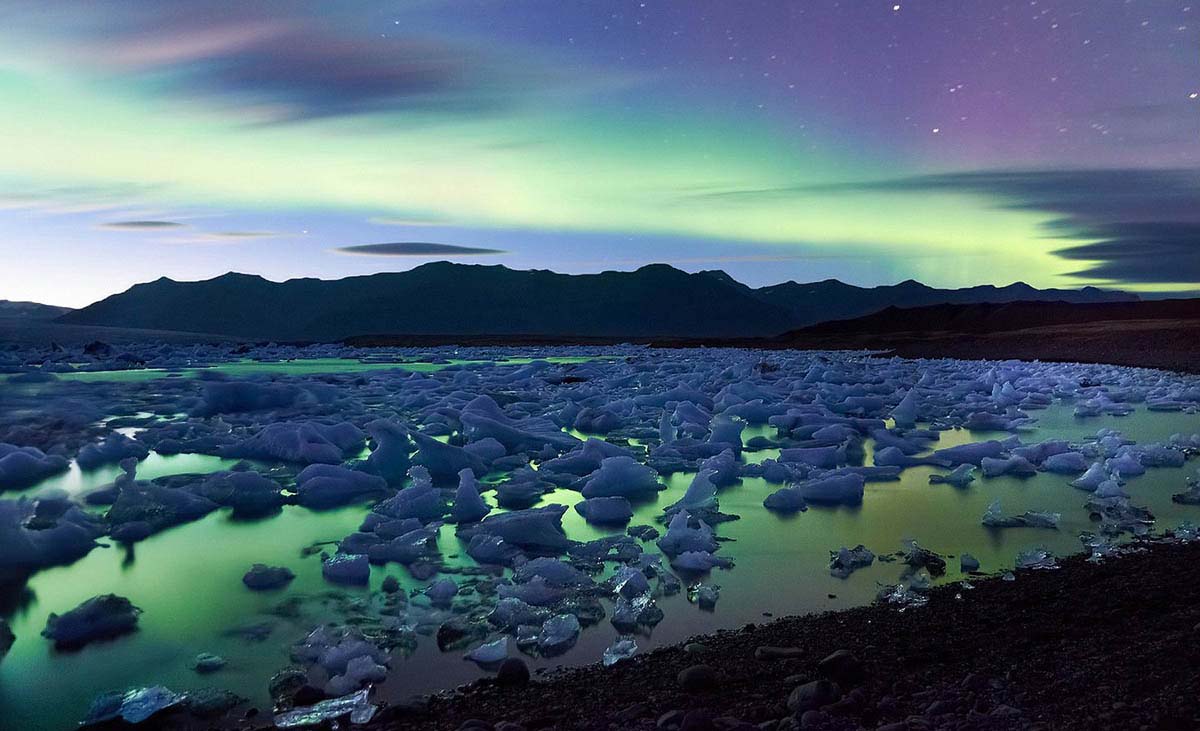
x=994, y=518
x=355, y=704
x=723, y=466
x=250, y=494
x=1014, y=465
x=469, y=505
x=1110, y=488
x=406, y=549
x=630, y=582
x=22, y=467
x=1126, y=465
x=553, y=571
x=24, y=549
x=536, y=592
x=968, y=453
x=605, y=510
x=390, y=459
x=923, y=558
x=968, y=563
x=622, y=648
x=631, y=613
x=133, y=706
x=699, y=562
x=98, y=618
x=623, y=477
x=845, y=561
x=489, y=653
x=1091, y=479
x=727, y=431
x=1036, y=558
x=584, y=459
x=442, y=592
x=538, y=529
x=322, y=486
x=558, y=634
x=261, y=577
x=906, y=412
x=700, y=495
x=961, y=476
x=681, y=536
x=445, y=461
x=903, y=597
x=785, y=500
x=489, y=549
x=1065, y=463
x=844, y=489
x=359, y=671
x=113, y=449
x=347, y=568
x=510, y=613
x=307, y=442
x=704, y=596
x=420, y=500
x=823, y=457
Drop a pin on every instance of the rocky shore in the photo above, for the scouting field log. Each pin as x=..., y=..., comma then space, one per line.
x=1086, y=646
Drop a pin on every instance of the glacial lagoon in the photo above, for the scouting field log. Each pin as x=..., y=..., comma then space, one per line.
x=674, y=410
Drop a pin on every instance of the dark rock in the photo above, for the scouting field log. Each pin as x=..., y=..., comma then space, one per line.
x=307, y=695
x=697, y=720
x=209, y=702
x=286, y=682
x=670, y=720
x=512, y=672
x=767, y=652
x=390, y=585
x=261, y=577
x=843, y=668
x=813, y=695
x=7, y=638
x=207, y=663
x=474, y=724
x=509, y=726
x=698, y=679
x=814, y=720
x=98, y=618
x=632, y=712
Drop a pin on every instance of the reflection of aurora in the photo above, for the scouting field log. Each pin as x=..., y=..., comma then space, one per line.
x=780, y=562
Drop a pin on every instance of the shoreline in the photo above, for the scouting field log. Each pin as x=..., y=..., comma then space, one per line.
x=1084, y=646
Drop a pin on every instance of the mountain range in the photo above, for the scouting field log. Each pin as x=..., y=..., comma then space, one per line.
x=443, y=298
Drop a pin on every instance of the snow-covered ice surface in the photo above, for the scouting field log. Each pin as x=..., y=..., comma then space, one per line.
x=425, y=500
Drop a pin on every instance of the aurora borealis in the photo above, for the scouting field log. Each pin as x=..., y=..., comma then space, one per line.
x=952, y=142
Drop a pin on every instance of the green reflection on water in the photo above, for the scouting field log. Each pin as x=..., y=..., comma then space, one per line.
x=305, y=367
x=188, y=579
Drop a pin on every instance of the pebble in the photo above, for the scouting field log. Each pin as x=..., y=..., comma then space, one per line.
x=813, y=695
x=698, y=678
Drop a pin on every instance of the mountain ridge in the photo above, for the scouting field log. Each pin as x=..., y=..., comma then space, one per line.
x=656, y=300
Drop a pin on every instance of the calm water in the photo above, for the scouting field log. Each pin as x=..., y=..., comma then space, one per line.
x=188, y=579
x=305, y=367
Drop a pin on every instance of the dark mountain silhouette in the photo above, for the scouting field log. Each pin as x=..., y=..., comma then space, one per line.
x=1154, y=334
x=458, y=299
x=30, y=310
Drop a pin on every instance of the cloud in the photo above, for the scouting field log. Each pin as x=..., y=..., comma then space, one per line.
x=414, y=249
x=1132, y=225
x=141, y=225
x=295, y=65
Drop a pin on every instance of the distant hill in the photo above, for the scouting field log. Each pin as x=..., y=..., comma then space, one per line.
x=1155, y=333
x=448, y=299
x=831, y=299
x=30, y=310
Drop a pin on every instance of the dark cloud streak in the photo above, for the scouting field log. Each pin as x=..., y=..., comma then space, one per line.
x=1135, y=225
x=415, y=249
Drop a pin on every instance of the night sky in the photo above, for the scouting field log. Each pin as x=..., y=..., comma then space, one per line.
x=955, y=142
